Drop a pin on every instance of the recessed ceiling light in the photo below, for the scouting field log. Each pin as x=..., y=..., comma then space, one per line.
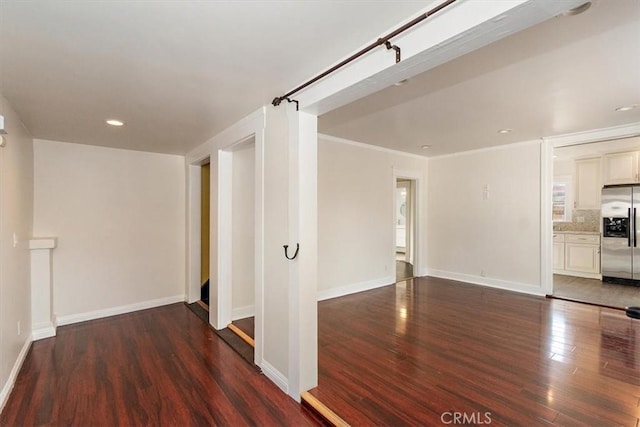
x=505, y=130
x=425, y=146
x=627, y=107
x=114, y=122
x=401, y=82
x=577, y=10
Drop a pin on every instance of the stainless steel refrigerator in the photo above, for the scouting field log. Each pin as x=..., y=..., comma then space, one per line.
x=620, y=251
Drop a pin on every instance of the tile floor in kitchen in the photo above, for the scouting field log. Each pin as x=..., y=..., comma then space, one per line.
x=594, y=291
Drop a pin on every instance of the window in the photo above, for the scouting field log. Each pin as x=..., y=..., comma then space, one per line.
x=561, y=204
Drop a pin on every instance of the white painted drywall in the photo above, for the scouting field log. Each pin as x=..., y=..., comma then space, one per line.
x=493, y=241
x=356, y=232
x=119, y=216
x=16, y=214
x=243, y=230
x=276, y=234
x=563, y=167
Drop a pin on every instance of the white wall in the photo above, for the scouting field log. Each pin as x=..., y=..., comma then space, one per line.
x=493, y=241
x=276, y=234
x=356, y=243
x=243, y=235
x=16, y=214
x=119, y=216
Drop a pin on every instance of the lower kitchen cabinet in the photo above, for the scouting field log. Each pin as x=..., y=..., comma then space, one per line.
x=558, y=252
x=577, y=255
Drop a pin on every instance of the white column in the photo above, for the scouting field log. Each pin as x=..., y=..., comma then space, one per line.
x=42, y=317
x=303, y=271
x=290, y=357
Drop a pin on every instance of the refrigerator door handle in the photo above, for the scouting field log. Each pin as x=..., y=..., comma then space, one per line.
x=635, y=232
x=628, y=229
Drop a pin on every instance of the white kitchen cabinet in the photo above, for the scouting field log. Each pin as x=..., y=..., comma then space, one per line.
x=620, y=168
x=588, y=183
x=558, y=252
x=576, y=254
x=582, y=253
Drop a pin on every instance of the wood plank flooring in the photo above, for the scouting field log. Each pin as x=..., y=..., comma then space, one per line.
x=161, y=367
x=421, y=350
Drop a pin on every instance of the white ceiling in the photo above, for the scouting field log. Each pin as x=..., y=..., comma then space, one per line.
x=565, y=75
x=177, y=72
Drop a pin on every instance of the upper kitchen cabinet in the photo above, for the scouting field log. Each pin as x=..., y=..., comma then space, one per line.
x=621, y=168
x=588, y=183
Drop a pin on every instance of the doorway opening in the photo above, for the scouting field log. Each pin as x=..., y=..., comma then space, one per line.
x=243, y=233
x=582, y=252
x=404, y=217
x=205, y=214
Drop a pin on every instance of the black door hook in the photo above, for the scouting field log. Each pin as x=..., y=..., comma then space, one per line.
x=286, y=251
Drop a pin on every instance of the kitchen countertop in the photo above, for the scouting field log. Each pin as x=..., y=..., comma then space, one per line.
x=577, y=232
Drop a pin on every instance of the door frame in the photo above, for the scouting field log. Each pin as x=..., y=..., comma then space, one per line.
x=216, y=150
x=409, y=223
x=417, y=183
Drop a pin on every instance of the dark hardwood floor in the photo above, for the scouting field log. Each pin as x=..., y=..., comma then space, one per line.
x=416, y=352
x=405, y=354
x=160, y=367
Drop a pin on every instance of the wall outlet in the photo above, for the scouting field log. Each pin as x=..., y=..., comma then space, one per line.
x=19, y=331
x=580, y=219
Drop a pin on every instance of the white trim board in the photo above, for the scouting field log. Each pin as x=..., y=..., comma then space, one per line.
x=275, y=376
x=13, y=375
x=113, y=311
x=243, y=312
x=335, y=139
x=595, y=135
x=355, y=288
x=522, y=288
x=41, y=332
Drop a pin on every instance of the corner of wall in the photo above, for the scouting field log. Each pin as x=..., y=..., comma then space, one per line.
x=13, y=375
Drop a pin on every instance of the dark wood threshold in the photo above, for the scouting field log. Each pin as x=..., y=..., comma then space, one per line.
x=595, y=304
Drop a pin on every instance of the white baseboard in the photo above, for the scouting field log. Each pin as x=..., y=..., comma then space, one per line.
x=489, y=282
x=421, y=273
x=112, y=311
x=355, y=287
x=275, y=376
x=41, y=331
x=243, y=312
x=13, y=375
